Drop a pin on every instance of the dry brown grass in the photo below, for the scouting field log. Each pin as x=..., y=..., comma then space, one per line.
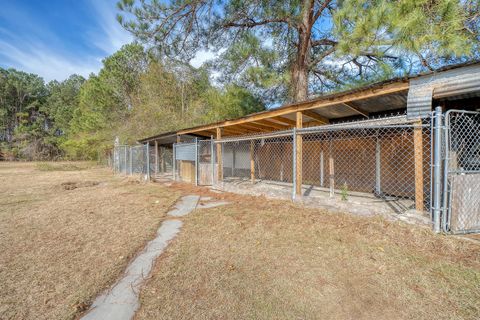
x=263, y=259
x=67, y=232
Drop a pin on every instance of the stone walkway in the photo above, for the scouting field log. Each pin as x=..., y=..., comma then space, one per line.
x=121, y=301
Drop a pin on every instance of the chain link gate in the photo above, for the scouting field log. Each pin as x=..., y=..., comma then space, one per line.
x=388, y=159
x=461, y=202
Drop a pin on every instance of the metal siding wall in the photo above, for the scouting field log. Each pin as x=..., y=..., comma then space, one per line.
x=461, y=81
x=185, y=151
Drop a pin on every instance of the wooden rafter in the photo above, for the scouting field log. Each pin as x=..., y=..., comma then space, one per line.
x=254, y=127
x=271, y=124
x=308, y=105
x=315, y=116
x=258, y=127
x=356, y=109
x=286, y=121
x=205, y=133
x=236, y=130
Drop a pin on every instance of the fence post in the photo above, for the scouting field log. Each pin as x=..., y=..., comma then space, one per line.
x=131, y=162
x=294, y=163
x=299, y=154
x=196, y=161
x=212, y=158
x=114, y=160
x=445, y=200
x=174, y=163
x=156, y=158
x=437, y=169
x=252, y=161
x=378, y=155
x=219, y=156
x=148, y=161
x=331, y=167
x=321, y=169
x=125, y=151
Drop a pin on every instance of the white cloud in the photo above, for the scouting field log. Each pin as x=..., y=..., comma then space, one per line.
x=41, y=51
x=113, y=36
x=35, y=58
x=201, y=57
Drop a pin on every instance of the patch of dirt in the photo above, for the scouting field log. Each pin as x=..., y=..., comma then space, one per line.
x=71, y=185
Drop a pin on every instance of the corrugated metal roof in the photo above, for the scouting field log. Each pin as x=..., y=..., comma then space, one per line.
x=419, y=104
x=438, y=85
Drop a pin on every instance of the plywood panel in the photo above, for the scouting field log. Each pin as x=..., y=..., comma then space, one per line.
x=187, y=171
x=205, y=174
x=465, y=202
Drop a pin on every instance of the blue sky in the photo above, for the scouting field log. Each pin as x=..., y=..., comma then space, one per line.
x=56, y=38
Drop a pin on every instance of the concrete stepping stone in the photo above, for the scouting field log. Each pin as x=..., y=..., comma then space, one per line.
x=121, y=301
x=185, y=206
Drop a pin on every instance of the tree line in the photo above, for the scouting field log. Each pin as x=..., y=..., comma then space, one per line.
x=135, y=94
x=267, y=52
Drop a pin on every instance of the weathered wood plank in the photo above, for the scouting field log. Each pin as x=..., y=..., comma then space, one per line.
x=299, y=155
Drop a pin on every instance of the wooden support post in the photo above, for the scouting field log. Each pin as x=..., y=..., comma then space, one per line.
x=252, y=161
x=162, y=159
x=219, y=156
x=418, y=154
x=299, y=155
x=156, y=157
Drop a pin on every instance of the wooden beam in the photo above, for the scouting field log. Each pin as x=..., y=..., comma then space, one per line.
x=315, y=116
x=256, y=127
x=248, y=128
x=271, y=124
x=418, y=155
x=219, y=156
x=299, y=155
x=236, y=130
x=284, y=120
x=357, y=109
x=206, y=133
x=308, y=105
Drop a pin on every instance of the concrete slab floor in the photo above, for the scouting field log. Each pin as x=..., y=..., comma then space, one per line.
x=358, y=203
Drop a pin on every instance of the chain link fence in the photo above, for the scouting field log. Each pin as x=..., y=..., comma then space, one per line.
x=265, y=157
x=142, y=160
x=130, y=160
x=430, y=165
x=462, y=172
x=387, y=159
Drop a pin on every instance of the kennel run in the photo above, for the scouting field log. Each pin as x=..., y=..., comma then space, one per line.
x=383, y=147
